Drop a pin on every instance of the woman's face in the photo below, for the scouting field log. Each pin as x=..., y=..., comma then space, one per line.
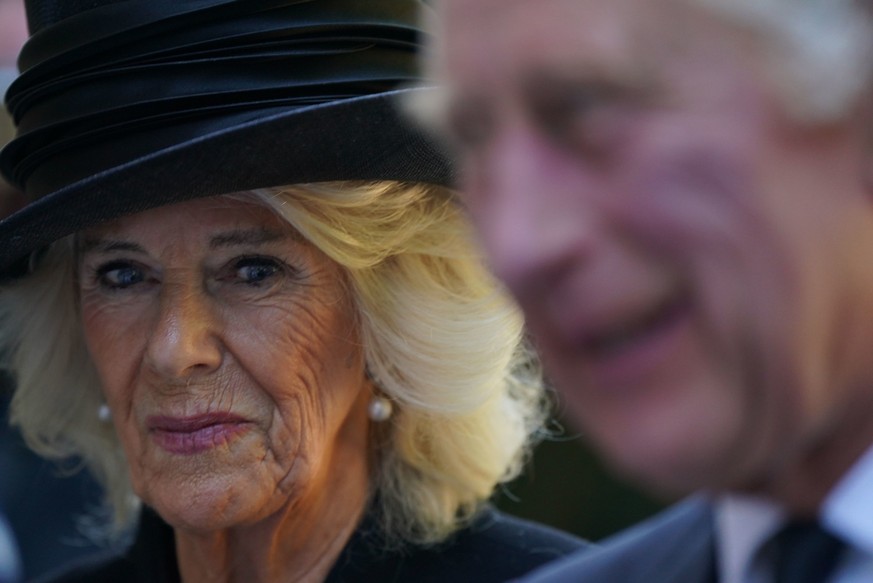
x=229, y=354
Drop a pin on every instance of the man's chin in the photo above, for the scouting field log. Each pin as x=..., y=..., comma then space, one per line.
x=669, y=473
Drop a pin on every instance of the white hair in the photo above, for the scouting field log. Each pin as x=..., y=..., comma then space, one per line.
x=441, y=338
x=818, y=52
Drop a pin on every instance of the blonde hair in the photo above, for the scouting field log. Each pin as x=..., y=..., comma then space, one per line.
x=441, y=340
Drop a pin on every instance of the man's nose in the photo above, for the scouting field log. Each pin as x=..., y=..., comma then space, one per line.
x=184, y=341
x=532, y=204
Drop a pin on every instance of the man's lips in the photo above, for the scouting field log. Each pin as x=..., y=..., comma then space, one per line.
x=195, y=434
x=624, y=348
x=620, y=335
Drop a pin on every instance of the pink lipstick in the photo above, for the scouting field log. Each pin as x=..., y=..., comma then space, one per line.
x=196, y=434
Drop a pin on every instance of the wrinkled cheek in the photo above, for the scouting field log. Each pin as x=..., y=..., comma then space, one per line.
x=747, y=332
x=696, y=207
x=111, y=343
x=95, y=340
x=292, y=431
x=142, y=473
x=687, y=198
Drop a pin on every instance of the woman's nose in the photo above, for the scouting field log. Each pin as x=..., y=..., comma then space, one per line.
x=184, y=340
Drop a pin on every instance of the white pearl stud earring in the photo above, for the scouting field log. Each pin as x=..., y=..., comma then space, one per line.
x=380, y=409
x=104, y=414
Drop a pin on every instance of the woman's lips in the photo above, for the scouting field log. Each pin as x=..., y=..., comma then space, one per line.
x=196, y=434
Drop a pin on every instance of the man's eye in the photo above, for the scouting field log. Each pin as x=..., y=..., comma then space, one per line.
x=469, y=126
x=256, y=270
x=119, y=275
x=561, y=109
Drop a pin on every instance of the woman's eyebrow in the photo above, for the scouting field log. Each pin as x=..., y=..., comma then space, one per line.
x=108, y=245
x=256, y=236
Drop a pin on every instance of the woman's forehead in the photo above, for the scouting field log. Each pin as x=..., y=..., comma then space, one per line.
x=242, y=220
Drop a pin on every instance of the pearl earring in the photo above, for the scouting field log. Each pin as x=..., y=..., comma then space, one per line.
x=380, y=409
x=104, y=414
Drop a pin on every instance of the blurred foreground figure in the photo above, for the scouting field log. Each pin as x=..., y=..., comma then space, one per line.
x=13, y=33
x=9, y=564
x=677, y=192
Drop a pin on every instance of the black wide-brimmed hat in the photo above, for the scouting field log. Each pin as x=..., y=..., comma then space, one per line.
x=125, y=105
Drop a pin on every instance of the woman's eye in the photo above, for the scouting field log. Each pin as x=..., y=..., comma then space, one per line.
x=256, y=270
x=119, y=275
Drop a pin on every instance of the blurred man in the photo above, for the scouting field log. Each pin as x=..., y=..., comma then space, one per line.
x=10, y=569
x=677, y=192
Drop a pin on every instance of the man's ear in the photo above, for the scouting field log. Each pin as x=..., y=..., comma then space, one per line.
x=866, y=120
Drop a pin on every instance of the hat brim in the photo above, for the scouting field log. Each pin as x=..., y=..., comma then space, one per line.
x=361, y=138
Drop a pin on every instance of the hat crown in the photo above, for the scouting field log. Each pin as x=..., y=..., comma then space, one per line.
x=124, y=105
x=44, y=13
x=116, y=80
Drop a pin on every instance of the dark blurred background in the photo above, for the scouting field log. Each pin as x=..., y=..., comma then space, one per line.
x=44, y=502
x=565, y=485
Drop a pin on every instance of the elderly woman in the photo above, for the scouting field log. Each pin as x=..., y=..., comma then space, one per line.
x=242, y=296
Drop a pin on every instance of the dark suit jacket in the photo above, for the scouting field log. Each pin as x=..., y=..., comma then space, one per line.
x=494, y=548
x=676, y=546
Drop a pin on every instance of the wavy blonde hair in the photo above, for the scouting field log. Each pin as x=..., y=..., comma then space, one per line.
x=441, y=339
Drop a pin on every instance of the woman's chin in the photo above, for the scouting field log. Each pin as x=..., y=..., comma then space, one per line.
x=211, y=505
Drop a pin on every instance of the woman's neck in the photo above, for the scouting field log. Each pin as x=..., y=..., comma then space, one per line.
x=298, y=549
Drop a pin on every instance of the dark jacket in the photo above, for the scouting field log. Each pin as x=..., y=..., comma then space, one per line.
x=494, y=548
x=676, y=546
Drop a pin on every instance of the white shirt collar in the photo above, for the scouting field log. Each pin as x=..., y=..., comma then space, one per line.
x=848, y=509
x=10, y=567
x=744, y=523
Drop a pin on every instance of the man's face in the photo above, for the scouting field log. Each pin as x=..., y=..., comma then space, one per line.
x=687, y=257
